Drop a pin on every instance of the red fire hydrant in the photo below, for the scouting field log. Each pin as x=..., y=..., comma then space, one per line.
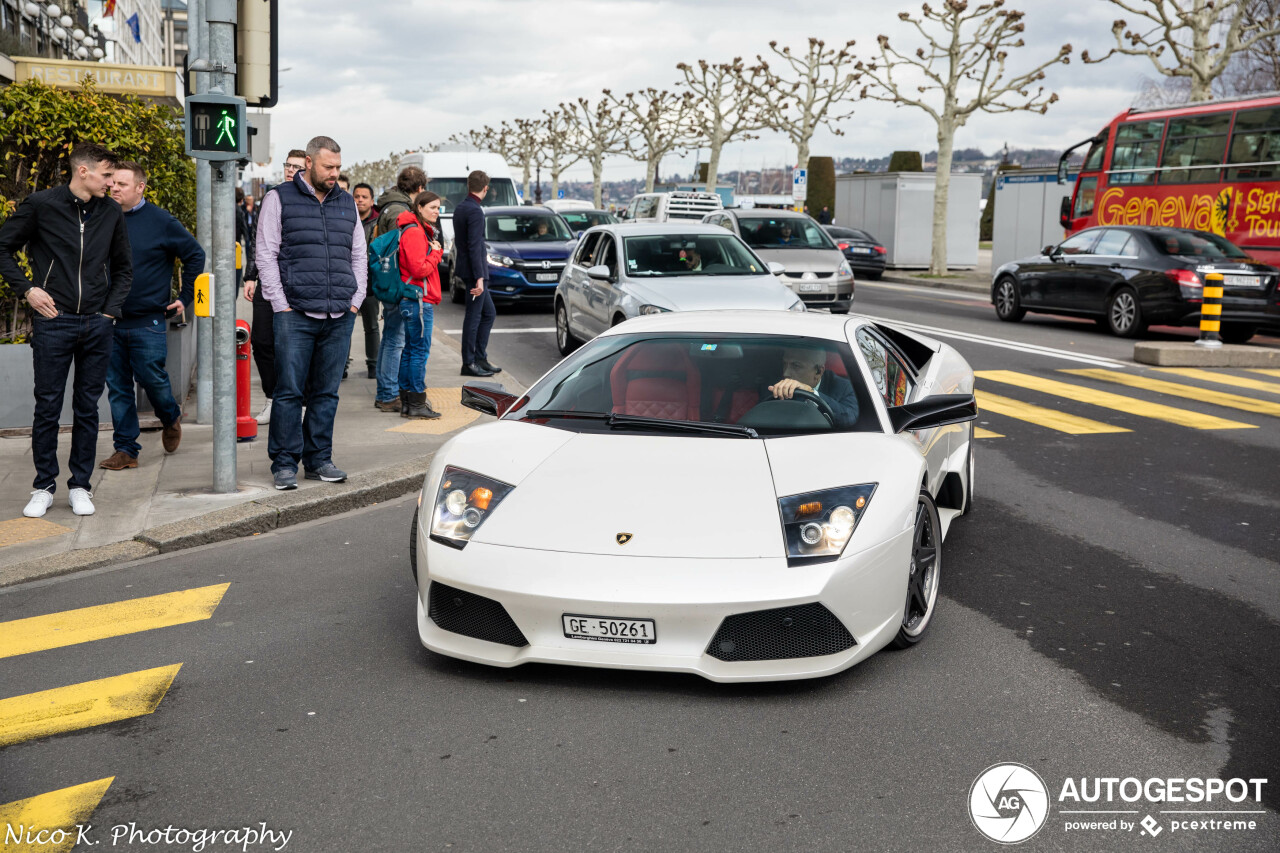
x=246, y=424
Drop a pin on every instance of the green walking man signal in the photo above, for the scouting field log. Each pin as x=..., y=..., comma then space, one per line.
x=216, y=127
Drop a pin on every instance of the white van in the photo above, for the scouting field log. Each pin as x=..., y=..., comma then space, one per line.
x=447, y=177
x=666, y=207
x=560, y=205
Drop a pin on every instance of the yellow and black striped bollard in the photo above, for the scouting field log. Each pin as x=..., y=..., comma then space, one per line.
x=1211, y=312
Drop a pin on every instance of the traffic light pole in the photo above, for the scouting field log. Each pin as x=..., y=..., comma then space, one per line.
x=220, y=16
x=204, y=227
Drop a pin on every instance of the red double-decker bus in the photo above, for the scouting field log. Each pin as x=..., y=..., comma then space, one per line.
x=1212, y=166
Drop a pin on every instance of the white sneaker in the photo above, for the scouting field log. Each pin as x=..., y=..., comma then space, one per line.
x=264, y=417
x=40, y=501
x=81, y=501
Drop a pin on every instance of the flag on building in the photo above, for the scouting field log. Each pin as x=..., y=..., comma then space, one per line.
x=134, y=27
x=109, y=9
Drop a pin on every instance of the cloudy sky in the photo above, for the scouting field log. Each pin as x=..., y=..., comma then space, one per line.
x=396, y=74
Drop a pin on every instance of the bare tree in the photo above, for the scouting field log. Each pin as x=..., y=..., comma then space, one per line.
x=658, y=125
x=380, y=174
x=805, y=92
x=1200, y=36
x=1259, y=66
x=963, y=49
x=724, y=107
x=600, y=130
x=526, y=140
x=560, y=145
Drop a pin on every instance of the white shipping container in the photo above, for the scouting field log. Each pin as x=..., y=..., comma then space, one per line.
x=1028, y=204
x=897, y=209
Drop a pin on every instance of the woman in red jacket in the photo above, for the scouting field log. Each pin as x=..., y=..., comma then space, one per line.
x=420, y=254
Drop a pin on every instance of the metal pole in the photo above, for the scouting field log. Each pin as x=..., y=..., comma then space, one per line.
x=204, y=222
x=221, y=18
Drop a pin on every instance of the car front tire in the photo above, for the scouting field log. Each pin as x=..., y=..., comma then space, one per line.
x=413, y=544
x=456, y=294
x=1237, y=334
x=565, y=341
x=922, y=579
x=1008, y=301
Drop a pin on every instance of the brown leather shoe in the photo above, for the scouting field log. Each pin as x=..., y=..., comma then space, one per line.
x=171, y=437
x=392, y=406
x=118, y=461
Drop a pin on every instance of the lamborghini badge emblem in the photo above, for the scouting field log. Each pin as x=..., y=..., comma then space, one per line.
x=623, y=538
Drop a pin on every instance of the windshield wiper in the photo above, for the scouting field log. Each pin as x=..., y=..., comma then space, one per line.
x=567, y=413
x=616, y=421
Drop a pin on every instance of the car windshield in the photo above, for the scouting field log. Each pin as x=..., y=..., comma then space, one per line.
x=525, y=227
x=581, y=220
x=790, y=232
x=689, y=254
x=1199, y=245
x=502, y=193
x=690, y=384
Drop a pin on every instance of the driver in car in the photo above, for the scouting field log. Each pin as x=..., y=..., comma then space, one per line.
x=805, y=369
x=541, y=230
x=784, y=235
x=692, y=259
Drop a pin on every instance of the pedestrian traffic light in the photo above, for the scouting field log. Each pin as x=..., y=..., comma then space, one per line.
x=216, y=127
x=257, y=52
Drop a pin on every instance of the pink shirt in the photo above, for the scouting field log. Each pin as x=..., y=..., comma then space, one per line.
x=267, y=254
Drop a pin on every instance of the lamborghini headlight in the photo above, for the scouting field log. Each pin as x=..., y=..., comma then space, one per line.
x=463, y=501
x=817, y=525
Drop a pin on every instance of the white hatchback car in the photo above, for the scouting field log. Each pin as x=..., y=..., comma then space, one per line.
x=623, y=271
x=743, y=495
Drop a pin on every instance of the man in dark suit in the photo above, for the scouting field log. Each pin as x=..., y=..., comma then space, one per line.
x=473, y=271
x=804, y=369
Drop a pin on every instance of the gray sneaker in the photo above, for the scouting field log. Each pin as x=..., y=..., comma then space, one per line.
x=286, y=479
x=328, y=472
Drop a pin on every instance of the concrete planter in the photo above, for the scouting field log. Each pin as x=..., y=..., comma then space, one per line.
x=17, y=376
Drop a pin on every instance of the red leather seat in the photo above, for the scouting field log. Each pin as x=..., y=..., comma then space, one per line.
x=835, y=364
x=656, y=381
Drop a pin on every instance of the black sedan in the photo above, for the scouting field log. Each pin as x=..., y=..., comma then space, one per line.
x=1127, y=278
x=864, y=253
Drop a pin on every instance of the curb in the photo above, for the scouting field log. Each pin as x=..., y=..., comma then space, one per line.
x=277, y=511
x=1187, y=354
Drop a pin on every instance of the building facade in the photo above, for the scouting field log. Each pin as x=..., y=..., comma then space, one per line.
x=174, y=32
x=147, y=48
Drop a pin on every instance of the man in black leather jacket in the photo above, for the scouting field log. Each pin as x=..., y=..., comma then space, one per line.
x=78, y=247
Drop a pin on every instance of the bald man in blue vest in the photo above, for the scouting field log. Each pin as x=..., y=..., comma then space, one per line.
x=313, y=269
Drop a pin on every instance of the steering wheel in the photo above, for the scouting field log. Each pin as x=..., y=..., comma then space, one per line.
x=811, y=397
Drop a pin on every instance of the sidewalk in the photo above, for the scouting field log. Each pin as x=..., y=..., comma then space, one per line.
x=166, y=503
x=976, y=280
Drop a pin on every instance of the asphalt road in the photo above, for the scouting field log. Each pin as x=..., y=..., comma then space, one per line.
x=1109, y=609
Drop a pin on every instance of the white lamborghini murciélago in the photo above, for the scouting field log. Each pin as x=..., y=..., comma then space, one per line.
x=745, y=495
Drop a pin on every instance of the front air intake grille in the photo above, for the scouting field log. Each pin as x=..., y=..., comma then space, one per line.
x=804, y=631
x=472, y=615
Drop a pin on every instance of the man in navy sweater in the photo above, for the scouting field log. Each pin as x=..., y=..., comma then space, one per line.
x=140, y=347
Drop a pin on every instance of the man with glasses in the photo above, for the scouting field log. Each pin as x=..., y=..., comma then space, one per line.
x=261, y=337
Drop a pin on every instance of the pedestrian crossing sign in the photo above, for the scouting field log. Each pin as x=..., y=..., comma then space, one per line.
x=204, y=295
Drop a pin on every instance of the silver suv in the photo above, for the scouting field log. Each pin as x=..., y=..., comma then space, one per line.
x=814, y=267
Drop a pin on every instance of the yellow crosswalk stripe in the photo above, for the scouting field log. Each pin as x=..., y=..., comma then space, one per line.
x=1265, y=371
x=1107, y=400
x=979, y=432
x=1223, y=378
x=1177, y=389
x=80, y=706
x=46, y=823
x=1040, y=416
x=69, y=627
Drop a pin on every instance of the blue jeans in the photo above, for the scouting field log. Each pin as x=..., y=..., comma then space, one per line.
x=311, y=354
x=57, y=342
x=389, y=352
x=139, y=353
x=418, y=317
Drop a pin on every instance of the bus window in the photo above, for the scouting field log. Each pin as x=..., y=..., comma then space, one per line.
x=1256, y=142
x=1137, y=152
x=1093, y=161
x=1194, y=141
x=1084, y=197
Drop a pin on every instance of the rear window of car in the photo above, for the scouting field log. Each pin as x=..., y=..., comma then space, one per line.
x=1197, y=245
x=789, y=232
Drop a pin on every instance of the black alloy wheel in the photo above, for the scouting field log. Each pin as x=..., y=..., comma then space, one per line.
x=1008, y=302
x=1124, y=314
x=922, y=580
x=565, y=341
